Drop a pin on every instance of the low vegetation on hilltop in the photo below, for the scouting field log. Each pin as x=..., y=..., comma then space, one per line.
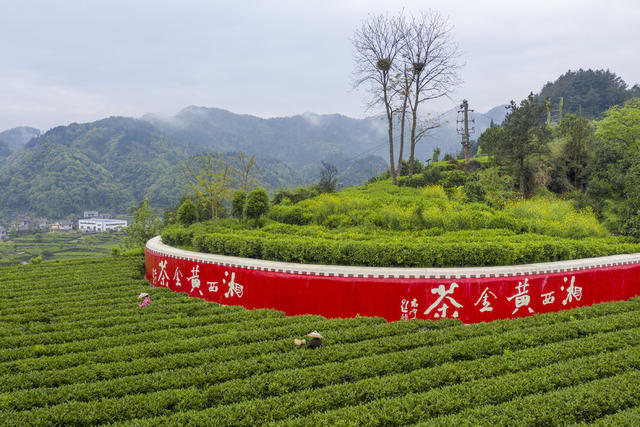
x=380, y=224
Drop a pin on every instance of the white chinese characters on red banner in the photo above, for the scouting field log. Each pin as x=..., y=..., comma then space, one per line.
x=468, y=299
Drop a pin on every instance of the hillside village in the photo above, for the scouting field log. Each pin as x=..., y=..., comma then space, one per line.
x=90, y=222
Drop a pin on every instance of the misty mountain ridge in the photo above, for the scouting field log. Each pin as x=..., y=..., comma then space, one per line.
x=18, y=136
x=306, y=138
x=112, y=164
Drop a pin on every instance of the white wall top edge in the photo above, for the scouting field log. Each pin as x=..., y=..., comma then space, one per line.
x=156, y=245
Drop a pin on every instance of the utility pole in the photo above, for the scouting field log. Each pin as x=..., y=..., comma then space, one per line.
x=464, y=129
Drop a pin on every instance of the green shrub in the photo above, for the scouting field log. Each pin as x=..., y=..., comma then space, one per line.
x=238, y=201
x=338, y=220
x=431, y=176
x=474, y=191
x=431, y=248
x=187, y=213
x=290, y=215
x=454, y=178
x=257, y=204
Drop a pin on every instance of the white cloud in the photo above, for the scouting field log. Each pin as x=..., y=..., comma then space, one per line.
x=77, y=60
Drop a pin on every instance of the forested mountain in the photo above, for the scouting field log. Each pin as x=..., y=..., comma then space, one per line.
x=17, y=137
x=109, y=165
x=299, y=140
x=592, y=91
x=5, y=151
x=303, y=141
x=114, y=163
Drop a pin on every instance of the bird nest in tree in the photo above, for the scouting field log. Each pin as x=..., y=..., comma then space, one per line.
x=384, y=64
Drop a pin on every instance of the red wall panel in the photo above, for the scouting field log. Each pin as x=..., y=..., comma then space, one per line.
x=467, y=298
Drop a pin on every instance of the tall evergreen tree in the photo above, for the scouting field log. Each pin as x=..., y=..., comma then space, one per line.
x=525, y=135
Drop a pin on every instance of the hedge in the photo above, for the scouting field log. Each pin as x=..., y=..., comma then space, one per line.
x=484, y=248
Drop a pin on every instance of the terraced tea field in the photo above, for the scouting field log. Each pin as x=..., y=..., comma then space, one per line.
x=76, y=350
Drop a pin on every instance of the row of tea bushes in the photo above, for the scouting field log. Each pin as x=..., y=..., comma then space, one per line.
x=76, y=350
x=468, y=248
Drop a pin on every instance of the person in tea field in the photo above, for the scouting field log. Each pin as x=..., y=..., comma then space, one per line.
x=316, y=340
x=145, y=300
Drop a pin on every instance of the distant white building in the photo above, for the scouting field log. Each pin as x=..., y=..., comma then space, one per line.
x=91, y=214
x=3, y=233
x=61, y=226
x=100, y=225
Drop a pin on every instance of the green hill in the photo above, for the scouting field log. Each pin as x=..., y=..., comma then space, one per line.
x=589, y=91
x=113, y=164
x=76, y=350
x=5, y=151
x=108, y=165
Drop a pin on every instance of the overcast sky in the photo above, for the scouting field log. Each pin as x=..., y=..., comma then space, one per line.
x=76, y=61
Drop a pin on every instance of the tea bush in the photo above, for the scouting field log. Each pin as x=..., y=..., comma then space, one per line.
x=76, y=350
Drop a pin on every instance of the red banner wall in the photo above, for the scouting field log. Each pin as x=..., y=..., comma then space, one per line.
x=334, y=294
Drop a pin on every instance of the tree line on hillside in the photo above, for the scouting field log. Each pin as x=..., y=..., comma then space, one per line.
x=591, y=92
x=222, y=186
x=596, y=163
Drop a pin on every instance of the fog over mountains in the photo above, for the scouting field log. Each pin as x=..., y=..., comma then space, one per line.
x=307, y=138
x=112, y=164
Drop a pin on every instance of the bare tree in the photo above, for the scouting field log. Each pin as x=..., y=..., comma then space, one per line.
x=245, y=168
x=431, y=55
x=403, y=85
x=328, y=178
x=377, y=44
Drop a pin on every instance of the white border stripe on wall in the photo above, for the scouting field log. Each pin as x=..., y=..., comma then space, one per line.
x=155, y=245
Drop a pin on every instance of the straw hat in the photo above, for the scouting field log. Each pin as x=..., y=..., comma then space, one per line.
x=314, y=334
x=143, y=295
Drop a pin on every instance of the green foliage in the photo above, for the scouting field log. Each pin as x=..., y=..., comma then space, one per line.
x=436, y=155
x=184, y=361
x=295, y=215
x=211, y=178
x=474, y=191
x=453, y=249
x=589, y=91
x=404, y=167
x=295, y=195
x=454, y=178
x=257, y=204
x=328, y=178
x=614, y=172
x=187, y=212
x=524, y=137
x=381, y=224
x=57, y=245
x=238, y=201
x=578, y=134
x=621, y=124
x=431, y=176
x=491, y=139
x=106, y=165
x=146, y=225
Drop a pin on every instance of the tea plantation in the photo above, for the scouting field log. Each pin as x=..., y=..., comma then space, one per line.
x=76, y=350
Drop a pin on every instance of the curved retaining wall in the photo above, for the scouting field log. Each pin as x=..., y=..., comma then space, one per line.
x=471, y=294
